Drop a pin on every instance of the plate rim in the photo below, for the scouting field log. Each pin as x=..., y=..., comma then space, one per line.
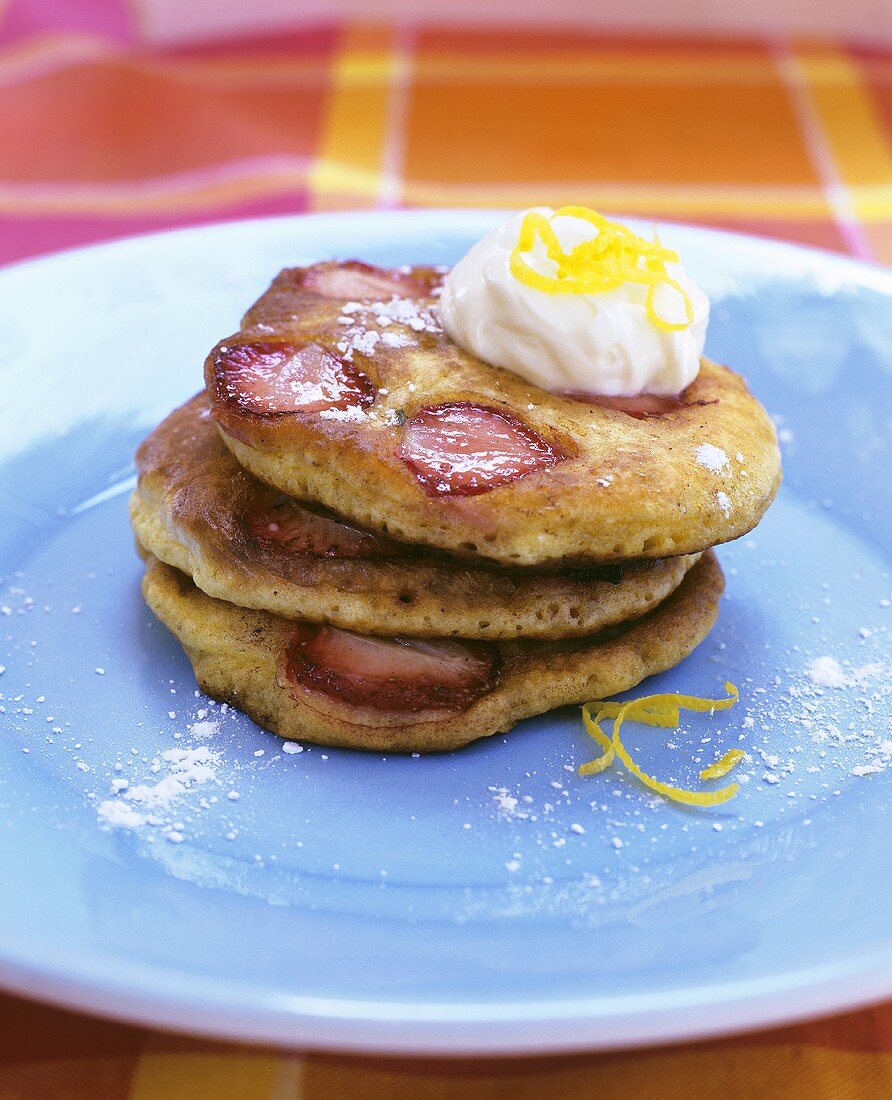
x=869, y=271
x=555, y=1026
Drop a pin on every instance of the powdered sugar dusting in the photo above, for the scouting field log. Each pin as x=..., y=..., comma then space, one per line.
x=712, y=457
x=144, y=803
x=827, y=672
x=119, y=814
x=204, y=728
x=393, y=324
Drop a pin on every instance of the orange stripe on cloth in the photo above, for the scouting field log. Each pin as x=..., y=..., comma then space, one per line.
x=671, y=200
x=109, y=121
x=574, y=67
x=481, y=42
x=72, y=1078
x=47, y=1053
x=693, y=133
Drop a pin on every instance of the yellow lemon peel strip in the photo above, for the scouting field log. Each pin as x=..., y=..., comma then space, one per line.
x=613, y=257
x=658, y=710
x=593, y=729
x=720, y=768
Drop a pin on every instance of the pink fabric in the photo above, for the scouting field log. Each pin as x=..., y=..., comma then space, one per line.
x=110, y=18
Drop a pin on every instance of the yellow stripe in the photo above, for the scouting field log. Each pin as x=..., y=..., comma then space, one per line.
x=289, y=1084
x=235, y=1076
x=335, y=180
x=771, y=1073
x=794, y=203
x=848, y=116
x=354, y=129
x=873, y=204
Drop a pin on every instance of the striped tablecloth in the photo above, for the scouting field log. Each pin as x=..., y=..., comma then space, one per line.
x=103, y=134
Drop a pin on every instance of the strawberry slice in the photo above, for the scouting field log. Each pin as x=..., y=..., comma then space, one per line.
x=268, y=378
x=354, y=280
x=279, y=521
x=463, y=449
x=398, y=675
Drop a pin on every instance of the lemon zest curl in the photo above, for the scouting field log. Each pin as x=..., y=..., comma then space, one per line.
x=614, y=257
x=721, y=767
x=658, y=710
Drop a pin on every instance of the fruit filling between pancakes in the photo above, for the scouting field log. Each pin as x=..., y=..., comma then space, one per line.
x=394, y=675
x=277, y=520
x=286, y=527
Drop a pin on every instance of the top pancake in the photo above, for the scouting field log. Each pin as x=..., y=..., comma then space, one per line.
x=342, y=388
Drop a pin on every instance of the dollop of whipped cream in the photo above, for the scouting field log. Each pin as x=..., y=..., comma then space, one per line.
x=636, y=337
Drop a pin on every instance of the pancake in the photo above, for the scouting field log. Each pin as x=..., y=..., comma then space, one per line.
x=322, y=684
x=342, y=388
x=196, y=509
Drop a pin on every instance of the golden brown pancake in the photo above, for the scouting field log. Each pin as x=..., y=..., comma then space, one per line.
x=322, y=684
x=195, y=508
x=341, y=388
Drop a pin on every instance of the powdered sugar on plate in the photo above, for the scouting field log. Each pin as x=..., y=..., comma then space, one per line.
x=151, y=803
x=827, y=672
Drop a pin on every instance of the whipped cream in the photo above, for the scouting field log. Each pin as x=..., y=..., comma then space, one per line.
x=604, y=343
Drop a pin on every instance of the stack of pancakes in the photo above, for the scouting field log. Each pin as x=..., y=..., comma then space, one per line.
x=365, y=537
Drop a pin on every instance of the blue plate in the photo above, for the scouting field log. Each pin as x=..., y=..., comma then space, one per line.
x=484, y=901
